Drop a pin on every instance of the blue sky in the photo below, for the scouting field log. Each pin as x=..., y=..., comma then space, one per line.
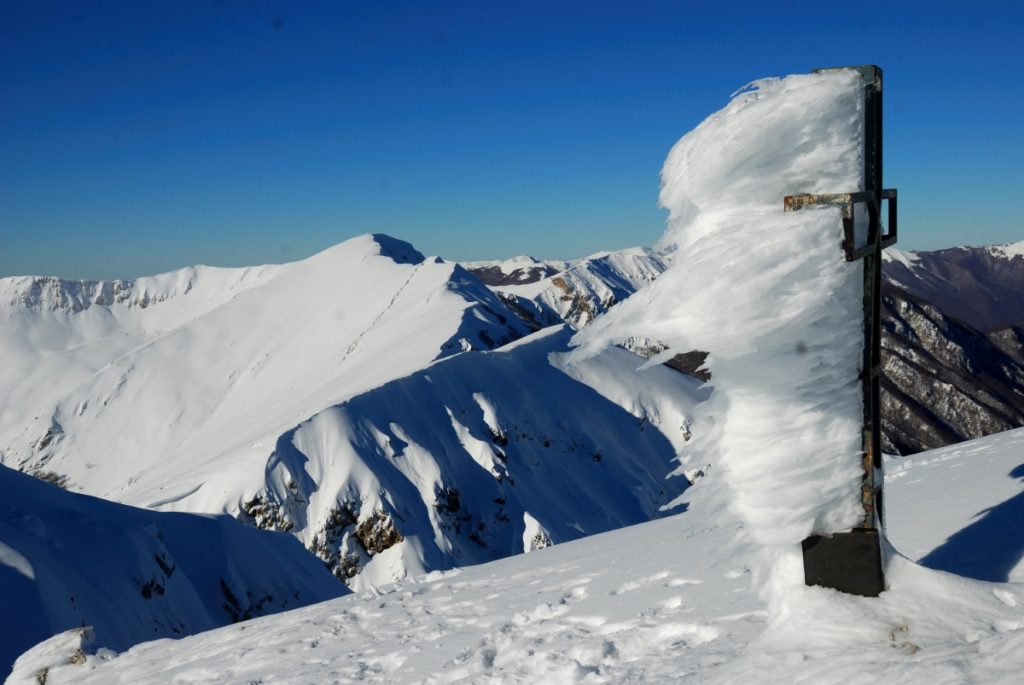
x=138, y=137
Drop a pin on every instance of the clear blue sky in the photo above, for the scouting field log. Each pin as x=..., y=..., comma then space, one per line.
x=137, y=137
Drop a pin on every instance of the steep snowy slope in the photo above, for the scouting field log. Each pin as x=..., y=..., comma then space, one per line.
x=68, y=560
x=56, y=334
x=478, y=457
x=116, y=398
x=665, y=601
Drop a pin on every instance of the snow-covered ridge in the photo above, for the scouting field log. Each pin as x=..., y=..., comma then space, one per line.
x=318, y=402
x=479, y=457
x=981, y=286
x=1009, y=250
x=120, y=401
x=516, y=270
x=67, y=560
x=581, y=290
x=47, y=293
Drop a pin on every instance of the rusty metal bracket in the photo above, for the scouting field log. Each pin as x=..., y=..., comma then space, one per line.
x=846, y=202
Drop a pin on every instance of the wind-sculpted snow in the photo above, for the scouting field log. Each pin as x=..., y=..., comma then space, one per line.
x=769, y=296
x=661, y=602
x=478, y=457
x=68, y=560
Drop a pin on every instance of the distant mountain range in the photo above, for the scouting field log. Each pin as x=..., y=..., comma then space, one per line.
x=329, y=398
x=953, y=338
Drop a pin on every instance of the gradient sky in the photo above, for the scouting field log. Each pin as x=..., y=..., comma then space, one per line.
x=138, y=137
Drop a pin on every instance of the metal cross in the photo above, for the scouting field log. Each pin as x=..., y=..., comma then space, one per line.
x=852, y=561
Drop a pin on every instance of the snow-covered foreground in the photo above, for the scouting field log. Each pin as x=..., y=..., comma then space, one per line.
x=666, y=601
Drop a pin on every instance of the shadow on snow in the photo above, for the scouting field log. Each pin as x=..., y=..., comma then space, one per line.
x=989, y=548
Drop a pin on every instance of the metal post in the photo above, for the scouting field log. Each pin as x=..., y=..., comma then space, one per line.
x=852, y=561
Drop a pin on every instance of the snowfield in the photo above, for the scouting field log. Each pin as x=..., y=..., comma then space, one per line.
x=666, y=601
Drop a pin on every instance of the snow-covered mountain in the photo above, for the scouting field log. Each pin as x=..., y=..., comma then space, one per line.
x=953, y=333
x=411, y=457
x=979, y=286
x=516, y=270
x=328, y=398
x=200, y=371
x=576, y=292
x=478, y=457
x=667, y=601
x=69, y=560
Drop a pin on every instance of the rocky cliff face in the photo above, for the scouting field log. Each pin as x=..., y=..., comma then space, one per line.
x=953, y=340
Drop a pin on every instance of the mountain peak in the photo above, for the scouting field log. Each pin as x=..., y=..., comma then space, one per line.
x=398, y=250
x=371, y=245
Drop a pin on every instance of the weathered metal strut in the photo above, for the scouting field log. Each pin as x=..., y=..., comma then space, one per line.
x=852, y=561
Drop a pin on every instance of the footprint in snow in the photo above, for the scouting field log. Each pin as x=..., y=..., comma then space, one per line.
x=574, y=595
x=676, y=582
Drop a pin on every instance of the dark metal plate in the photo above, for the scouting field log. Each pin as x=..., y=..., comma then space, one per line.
x=848, y=562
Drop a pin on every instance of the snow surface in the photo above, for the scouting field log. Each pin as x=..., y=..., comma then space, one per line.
x=665, y=601
x=465, y=458
x=134, y=575
x=983, y=503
